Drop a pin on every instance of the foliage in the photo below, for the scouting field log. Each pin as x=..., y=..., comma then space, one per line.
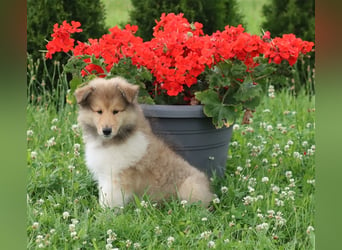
x=232, y=65
x=214, y=15
x=290, y=16
x=264, y=201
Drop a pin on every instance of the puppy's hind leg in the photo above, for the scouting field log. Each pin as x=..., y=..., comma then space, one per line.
x=196, y=188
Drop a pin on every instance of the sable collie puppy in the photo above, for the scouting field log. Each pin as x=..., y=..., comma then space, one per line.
x=123, y=154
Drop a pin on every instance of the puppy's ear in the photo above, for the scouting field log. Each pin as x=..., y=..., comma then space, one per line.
x=128, y=91
x=83, y=93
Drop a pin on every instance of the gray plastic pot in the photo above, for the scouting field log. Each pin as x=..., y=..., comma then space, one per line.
x=191, y=134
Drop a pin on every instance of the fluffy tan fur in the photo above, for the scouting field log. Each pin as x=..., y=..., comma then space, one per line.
x=123, y=154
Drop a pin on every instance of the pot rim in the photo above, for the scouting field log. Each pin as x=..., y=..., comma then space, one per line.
x=173, y=111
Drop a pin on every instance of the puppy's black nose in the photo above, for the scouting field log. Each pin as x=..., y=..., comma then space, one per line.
x=107, y=131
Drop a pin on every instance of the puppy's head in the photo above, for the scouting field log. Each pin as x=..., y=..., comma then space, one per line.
x=108, y=105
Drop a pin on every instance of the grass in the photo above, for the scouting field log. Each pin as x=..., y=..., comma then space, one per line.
x=266, y=199
x=117, y=13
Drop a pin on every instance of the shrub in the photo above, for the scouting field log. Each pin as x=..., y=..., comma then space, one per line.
x=214, y=15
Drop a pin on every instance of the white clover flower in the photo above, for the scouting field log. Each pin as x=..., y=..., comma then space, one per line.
x=292, y=183
x=72, y=227
x=310, y=151
x=74, y=221
x=262, y=226
x=311, y=182
x=216, y=201
x=304, y=143
x=276, y=147
x=231, y=224
x=234, y=143
x=288, y=174
x=39, y=238
x=270, y=213
x=236, y=127
x=264, y=179
x=144, y=204
x=286, y=147
x=184, y=202
x=205, y=235
x=275, y=189
x=35, y=225
x=157, y=230
x=259, y=197
x=65, y=215
x=310, y=229
x=308, y=125
x=55, y=120
x=265, y=161
x=224, y=189
x=211, y=244
x=204, y=219
x=128, y=243
x=136, y=245
x=239, y=169
x=50, y=142
x=53, y=128
x=226, y=241
x=269, y=128
x=34, y=155
x=289, y=142
x=29, y=133
x=74, y=127
x=73, y=235
x=109, y=246
x=170, y=240
x=248, y=200
x=266, y=111
x=251, y=189
x=77, y=146
x=279, y=202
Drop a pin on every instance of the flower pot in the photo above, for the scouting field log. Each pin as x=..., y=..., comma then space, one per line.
x=191, y=134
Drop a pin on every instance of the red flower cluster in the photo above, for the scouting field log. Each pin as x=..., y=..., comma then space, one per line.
x=178, y=52
x=288, y=48
x=61, y=38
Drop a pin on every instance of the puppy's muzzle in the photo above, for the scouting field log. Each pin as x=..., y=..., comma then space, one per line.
x=107, y=131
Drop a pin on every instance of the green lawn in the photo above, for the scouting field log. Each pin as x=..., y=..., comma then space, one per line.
x=266, y=199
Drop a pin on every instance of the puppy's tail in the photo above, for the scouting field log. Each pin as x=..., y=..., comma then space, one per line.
x=196, y=188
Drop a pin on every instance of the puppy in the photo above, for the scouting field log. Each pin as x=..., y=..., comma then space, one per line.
x=124, y=155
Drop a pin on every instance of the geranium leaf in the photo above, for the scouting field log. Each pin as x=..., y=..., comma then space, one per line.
x=221, y=114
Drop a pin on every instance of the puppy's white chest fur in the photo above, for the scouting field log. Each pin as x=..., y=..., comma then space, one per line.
x=107, y=161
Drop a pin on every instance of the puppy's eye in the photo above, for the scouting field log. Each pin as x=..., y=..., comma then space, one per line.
x=115, y=112
x=99, y=112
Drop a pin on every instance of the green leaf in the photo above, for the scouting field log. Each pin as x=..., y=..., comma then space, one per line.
x=247, y=90
x=74, y=83
x=221, y=114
